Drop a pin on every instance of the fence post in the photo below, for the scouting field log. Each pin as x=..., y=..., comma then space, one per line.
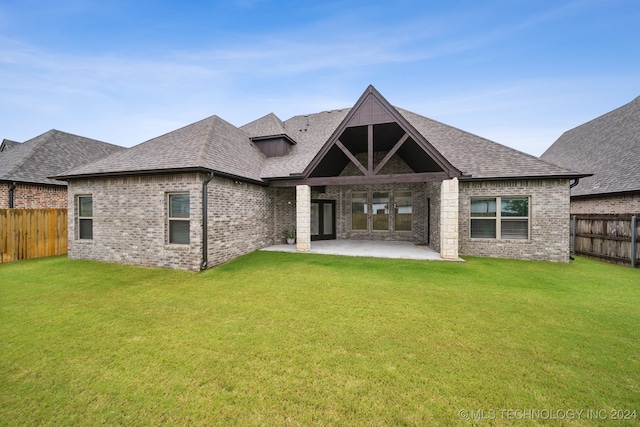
x=574, y=225
x=634, y=238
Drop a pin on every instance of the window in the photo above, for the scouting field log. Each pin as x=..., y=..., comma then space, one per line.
x=359, y=211
x=85, y=217
x=403, y=210
x=178, y=218
x=380, y=211
x=511, y=221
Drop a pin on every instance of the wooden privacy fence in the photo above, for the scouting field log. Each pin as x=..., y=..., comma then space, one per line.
x=32, y=233
x=612, y=238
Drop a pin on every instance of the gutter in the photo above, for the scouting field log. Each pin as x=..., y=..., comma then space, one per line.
x=11, y=194
x=575, y=182
x=205, y=248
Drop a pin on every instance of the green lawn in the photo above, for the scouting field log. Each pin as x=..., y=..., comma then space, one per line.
x=288, y=339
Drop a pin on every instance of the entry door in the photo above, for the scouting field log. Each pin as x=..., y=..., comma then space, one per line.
x=323, y=219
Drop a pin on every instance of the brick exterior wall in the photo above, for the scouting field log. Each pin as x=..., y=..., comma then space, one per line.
x=4, y=195
x=240, y=219
x=33, y=196
x=549, y=221
x=628, y=203
x=130, y=221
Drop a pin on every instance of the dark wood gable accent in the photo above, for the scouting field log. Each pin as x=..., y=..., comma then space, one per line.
x=374, y=125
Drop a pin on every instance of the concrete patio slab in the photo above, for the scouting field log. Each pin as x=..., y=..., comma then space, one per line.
x=367, y=248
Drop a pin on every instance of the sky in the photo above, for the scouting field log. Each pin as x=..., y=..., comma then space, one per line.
x=518, y=72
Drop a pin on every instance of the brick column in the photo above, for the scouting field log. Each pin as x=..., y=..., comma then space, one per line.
x=303, y=218
x=449, y=219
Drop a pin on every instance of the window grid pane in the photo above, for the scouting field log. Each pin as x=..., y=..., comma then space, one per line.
x=178, y=206
x=483, y=207
x=483, y=228
x=179, y=232
x=380, y=211
x=85, y=206
x=359, y=211
x=514, y=229
x=514, y=206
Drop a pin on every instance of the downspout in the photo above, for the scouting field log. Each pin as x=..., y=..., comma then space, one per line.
x=573, y=228
x=12, y=190
x=205, y=249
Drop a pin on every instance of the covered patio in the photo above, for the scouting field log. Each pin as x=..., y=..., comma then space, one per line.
x=368, y=248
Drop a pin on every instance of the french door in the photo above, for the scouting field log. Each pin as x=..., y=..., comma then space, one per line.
x=323, y=219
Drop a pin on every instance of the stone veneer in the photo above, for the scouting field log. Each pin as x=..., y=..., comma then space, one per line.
x=625, y=204
x=34, y=196
x=549, y=222
x=449, y=219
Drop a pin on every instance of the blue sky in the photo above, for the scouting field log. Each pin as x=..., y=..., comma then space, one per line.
x=519, y=72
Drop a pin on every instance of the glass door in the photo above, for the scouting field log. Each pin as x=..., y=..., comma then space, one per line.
x=323, y=219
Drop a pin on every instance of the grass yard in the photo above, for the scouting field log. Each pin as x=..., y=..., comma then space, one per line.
x=288, y=339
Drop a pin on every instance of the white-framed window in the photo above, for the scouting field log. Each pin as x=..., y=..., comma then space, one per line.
x=178, y=218
x=85, y=217
x=504, y=218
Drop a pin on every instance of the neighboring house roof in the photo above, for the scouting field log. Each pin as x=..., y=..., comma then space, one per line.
x=210, y=144
x=608, y=147
x=7, y=144
x=215, y=145
x=50, y=154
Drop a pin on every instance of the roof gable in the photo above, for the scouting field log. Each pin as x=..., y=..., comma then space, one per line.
x=7, y=144
x=607, y=147
x=374, y=125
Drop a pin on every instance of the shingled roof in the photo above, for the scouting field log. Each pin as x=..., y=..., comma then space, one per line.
x=50, y=154
x=608, y=147
x=215, y=145
x=268, y=126
x=210, y=144
x=7, y=144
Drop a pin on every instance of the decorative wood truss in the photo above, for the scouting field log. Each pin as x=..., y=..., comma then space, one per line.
x=373, y=126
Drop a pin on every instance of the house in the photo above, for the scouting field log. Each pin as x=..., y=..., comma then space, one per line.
x=25, y=167
x=210, y=192
x=609, y=148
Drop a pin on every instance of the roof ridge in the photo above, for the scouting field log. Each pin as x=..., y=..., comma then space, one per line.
x=611, y=112
x=208, y=142
x=30, y=147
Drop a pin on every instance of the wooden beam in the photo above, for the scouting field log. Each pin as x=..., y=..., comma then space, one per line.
x=355, y=180
x=351, y=157
x=391, y=153
x=370, y=150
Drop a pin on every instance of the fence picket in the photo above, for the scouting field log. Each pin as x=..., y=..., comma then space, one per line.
x=32, y=233
x=611, y=238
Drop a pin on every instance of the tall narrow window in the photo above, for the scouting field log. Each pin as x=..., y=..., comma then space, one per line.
x=483, y=218
x=85, y=217
x=403, y=210
x=514, y=213
x=178, y=218
x=380, y=211
x=359, y=211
